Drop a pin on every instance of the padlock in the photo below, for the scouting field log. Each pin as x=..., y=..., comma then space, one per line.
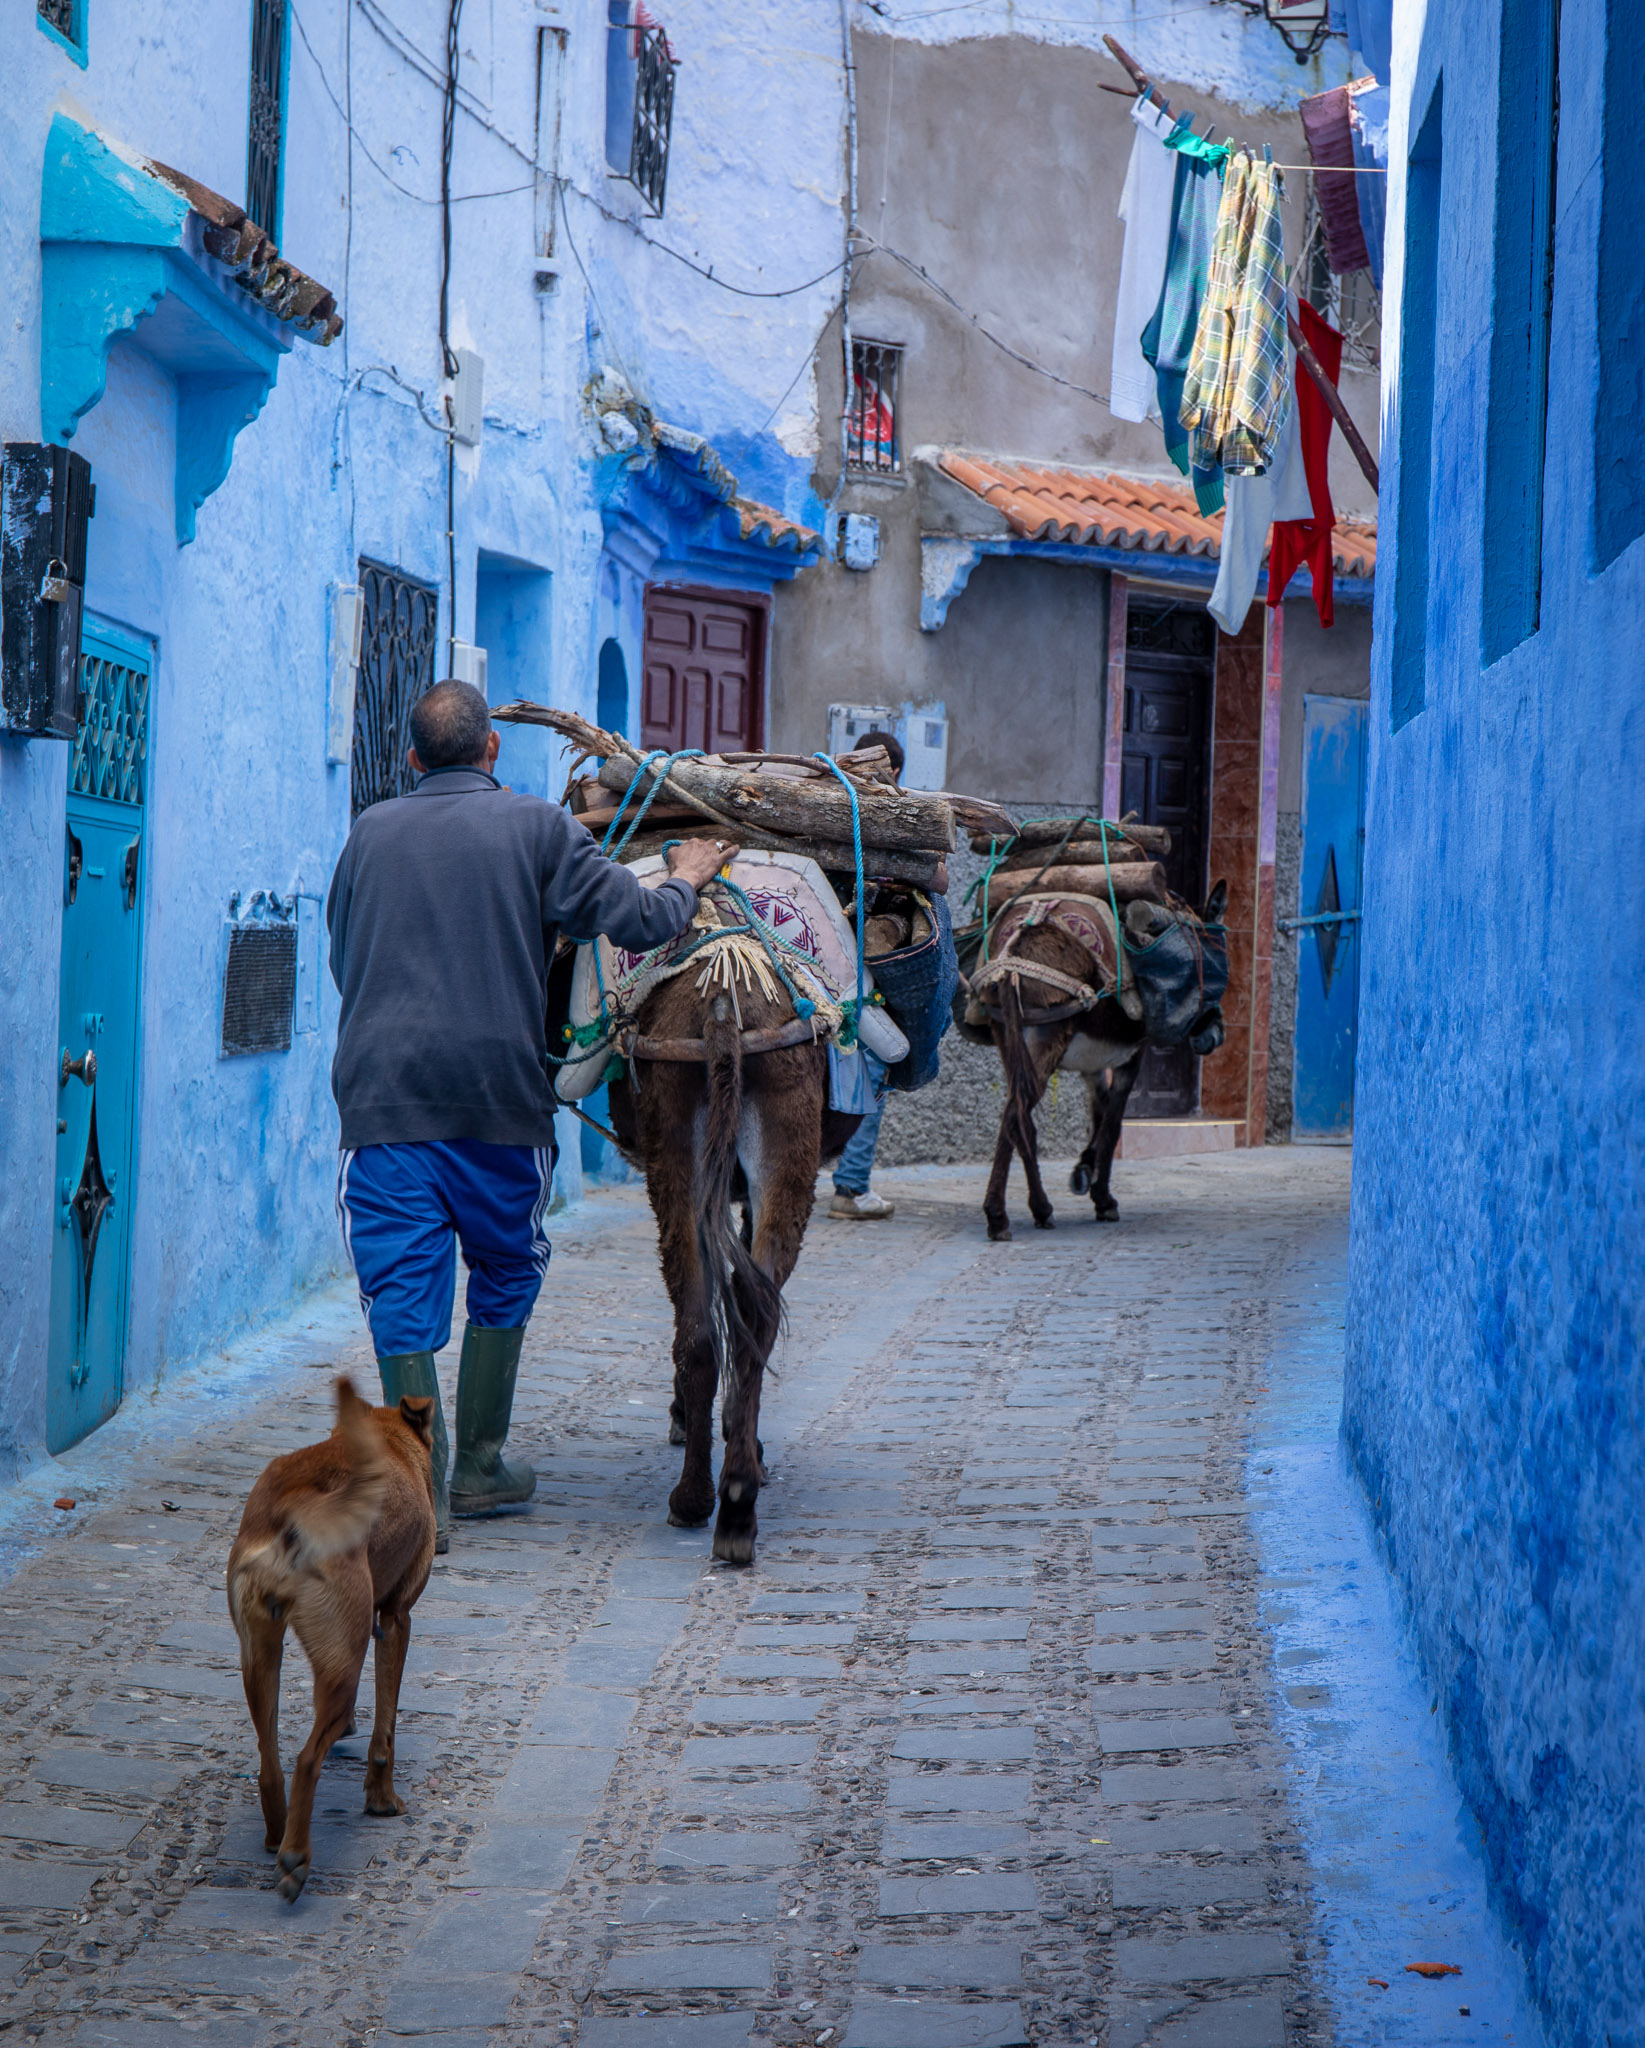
x=55, y=587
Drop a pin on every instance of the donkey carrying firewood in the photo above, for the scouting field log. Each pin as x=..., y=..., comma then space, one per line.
x=1062, y=979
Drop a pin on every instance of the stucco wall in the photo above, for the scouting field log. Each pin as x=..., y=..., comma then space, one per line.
x=1495, y=1401
x=236, y=1159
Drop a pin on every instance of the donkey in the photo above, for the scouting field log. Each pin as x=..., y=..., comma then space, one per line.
x=1103, y=1044
x=735, y=1124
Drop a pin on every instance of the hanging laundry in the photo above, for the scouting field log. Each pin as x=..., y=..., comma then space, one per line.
x=1328, y=128
x=1145, y=208
x=1310, y=540
x=1235, y=393
x=1368, y=115
x=1253, y=504
x=1168, y=339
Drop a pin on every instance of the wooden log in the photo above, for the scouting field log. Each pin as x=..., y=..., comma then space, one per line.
x=900, y=819
x=928, y=871
x=1128, y=884
x=732, y=797
x=1078, y=853
x=1153, y=839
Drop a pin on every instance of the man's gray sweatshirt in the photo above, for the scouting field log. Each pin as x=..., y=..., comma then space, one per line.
x=443, y=914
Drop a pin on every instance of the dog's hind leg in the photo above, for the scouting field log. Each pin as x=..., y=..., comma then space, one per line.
x=262, y=1642
x=333, y=1624
x=393, y=1640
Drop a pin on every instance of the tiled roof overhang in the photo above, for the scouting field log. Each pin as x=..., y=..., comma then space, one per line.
x=1137, y=515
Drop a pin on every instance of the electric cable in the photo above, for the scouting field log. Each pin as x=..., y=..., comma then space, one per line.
x=448, y=136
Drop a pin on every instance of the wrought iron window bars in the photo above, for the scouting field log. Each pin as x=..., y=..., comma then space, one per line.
x=396, y=667
x=654, y=69
x=266, y=130
x=871, y=440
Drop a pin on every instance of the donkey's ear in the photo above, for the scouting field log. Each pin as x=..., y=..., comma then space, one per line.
x=418, y=1411
x=1215, y=904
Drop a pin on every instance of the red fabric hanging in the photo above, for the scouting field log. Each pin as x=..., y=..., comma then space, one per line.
x=1298, y=541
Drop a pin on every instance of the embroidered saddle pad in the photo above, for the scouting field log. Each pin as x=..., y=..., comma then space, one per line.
x=790, y=896
x=1086, y=920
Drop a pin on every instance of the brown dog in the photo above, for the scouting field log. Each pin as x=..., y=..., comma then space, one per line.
x=332, y=1536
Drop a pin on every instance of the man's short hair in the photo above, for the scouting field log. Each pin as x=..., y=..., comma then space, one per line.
x=891, y=744
x=450, y=725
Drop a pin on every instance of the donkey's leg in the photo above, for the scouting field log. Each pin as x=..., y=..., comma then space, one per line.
x=993, y=1202
x=673, y=1202
x=779, y=1147
x=1044, y=1050
x=1108, y=1112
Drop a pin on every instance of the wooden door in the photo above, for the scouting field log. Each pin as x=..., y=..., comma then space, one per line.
x=1170, y=663
x=704, y=680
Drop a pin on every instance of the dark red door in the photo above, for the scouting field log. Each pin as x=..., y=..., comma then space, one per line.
x=704, y=682
x=1170, y=660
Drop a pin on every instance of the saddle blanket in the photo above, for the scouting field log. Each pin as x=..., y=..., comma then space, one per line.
x=1088, y=922
x=793, y=901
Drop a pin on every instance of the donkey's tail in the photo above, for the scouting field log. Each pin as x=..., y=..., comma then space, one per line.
x=1022, y=1083
x=744, y=1304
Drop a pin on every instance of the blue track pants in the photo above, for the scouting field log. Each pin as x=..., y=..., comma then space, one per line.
x=405, y=1208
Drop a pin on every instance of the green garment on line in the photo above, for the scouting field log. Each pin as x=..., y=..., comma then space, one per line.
x=1168, y=339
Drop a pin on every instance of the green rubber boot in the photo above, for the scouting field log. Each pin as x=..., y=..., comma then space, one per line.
x=480, y=1481
x=412, y=1372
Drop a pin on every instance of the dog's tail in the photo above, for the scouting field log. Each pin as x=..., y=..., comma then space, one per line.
x=320, y=1524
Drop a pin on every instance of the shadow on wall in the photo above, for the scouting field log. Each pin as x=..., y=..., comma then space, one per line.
x=513, y=622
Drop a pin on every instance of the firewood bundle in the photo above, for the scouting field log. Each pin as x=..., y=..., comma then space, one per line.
x=1077, y=857
x=782, y=802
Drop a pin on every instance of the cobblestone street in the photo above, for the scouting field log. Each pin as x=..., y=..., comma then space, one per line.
x=983, y=1751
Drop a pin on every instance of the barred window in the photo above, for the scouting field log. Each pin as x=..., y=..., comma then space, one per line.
x=65, y=22
x=639, y=106
x=871, y=419
x=396, y=667
x=267, y=115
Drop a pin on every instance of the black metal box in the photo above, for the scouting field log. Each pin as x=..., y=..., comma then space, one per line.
x=46, y=500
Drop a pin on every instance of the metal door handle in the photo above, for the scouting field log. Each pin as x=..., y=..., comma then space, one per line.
x=85, y=1066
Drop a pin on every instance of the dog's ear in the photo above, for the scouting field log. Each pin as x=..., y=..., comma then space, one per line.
x=418, y=1410
x=348, y=1401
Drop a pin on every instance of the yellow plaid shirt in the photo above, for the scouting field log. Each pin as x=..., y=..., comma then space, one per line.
x=1235, y=399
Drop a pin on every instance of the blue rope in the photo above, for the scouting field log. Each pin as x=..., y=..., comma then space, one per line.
x=656, y=754
x=839, y=773
x=803, y=1005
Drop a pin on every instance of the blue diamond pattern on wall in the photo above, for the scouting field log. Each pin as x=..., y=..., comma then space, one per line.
x=1329, y=898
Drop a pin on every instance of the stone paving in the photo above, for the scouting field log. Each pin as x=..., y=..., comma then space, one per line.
x=981, y=1752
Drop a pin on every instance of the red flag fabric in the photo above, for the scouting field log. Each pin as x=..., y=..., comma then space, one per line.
x=1298, y=541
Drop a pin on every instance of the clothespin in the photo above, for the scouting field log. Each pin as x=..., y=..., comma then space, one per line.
x=1267, y=152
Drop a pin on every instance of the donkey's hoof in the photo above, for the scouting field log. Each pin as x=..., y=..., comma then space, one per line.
x=1106, y=1212
x=676, y=1433
x=999, y=1233
x=1080, y=1179
x=734, y=1545
x=1046, y=1222
x=689, y=1510
x=383, y=1805
x=294, y=1869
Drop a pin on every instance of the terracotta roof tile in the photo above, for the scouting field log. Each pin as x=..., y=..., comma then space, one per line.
x=764, y=523
x=1138, y=514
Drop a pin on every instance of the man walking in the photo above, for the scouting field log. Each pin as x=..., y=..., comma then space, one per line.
x=854, y=1201
x=444, y=914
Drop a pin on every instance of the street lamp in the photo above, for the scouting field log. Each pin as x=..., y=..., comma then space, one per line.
x=1302, y=23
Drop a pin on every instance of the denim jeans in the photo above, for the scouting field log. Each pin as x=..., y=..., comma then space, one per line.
x=856, y=1162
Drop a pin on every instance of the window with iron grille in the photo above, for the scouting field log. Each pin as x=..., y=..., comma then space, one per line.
x=268, y=114
x=65, y=22
x=639, y=110
x=396, y=667
x=871, y=419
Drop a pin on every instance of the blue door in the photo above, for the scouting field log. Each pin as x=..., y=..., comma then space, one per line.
x=1327, y=922
x=103, y=873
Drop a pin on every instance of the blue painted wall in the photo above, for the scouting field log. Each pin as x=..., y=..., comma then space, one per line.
x=1495, y=1399
x=235, y=1162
